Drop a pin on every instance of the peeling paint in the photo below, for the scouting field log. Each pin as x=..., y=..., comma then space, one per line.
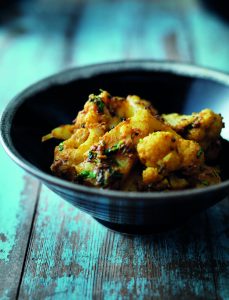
x=3, y=238
x=11, y=212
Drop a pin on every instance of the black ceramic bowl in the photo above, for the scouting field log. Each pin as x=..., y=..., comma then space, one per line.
x=172, y=87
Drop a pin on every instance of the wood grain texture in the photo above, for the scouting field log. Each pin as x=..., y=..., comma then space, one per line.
x=208, y=35
x=129, y=29
x=71, y=256
x=18, y=195
x=31, y=48
x=18, y=191
x=24, y=59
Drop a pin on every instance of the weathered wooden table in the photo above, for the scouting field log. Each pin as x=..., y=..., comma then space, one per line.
x=48, y=248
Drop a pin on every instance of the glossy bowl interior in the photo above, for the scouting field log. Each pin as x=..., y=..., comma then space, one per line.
x=171, y=87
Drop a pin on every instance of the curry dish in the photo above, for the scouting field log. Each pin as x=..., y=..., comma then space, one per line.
x=123, y=143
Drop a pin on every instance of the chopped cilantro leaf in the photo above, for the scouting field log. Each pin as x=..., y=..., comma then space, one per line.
x=61, y=146
x=92, y=155
x=199, y=153
x=87, y=174
x=114, y=148
x=205, y=182
x=100, y=104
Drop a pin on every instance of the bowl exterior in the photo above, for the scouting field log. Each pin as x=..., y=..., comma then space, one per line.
x=158, y=211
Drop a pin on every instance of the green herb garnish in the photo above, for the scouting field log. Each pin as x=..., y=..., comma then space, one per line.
x=87, y=174
x=99, y=103
x=199, y=153
x=92, y=155
x=205, y=182
x=114, y=148
x=61, y=146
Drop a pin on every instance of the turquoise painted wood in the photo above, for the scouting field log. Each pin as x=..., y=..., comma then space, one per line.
x=52, y=250
x=74, y=257
x=18, y=195
x=18, y=191
x=128, y=29
x=24, y=59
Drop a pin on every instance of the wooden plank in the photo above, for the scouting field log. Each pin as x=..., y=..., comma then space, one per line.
x=218, y=235
x=72, y=256
x=27, y=60
x=18, y=195
x=24, y=59
x=134, y=31
x=208, y=35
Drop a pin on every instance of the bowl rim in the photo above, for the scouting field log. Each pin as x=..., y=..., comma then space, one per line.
x=75, y=73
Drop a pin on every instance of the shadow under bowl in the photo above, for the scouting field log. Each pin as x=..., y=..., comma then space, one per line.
x=172, y=87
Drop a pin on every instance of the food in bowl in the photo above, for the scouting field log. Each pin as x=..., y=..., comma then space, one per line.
x=123, y=143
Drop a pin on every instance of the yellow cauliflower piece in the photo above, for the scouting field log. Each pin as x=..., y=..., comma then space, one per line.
x=108, y=127
x=112, y=136
x=115, y=154
x=203, y=127
x=165, y=152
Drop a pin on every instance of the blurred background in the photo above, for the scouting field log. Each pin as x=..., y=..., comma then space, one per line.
x=41, y=37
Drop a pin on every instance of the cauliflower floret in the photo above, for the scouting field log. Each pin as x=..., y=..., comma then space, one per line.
x=203, y=127
x=101, y=146
x=165, y=152
x=112, y=136
x=115, y=153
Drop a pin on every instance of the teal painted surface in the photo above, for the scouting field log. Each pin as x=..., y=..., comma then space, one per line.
x=10, y=205
x=114, y=30
x=69, y=254
x=24, y=59
x=70, y=228
x=72, y=256
x=209, y=37
x=29, y=51
x=17, y=200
